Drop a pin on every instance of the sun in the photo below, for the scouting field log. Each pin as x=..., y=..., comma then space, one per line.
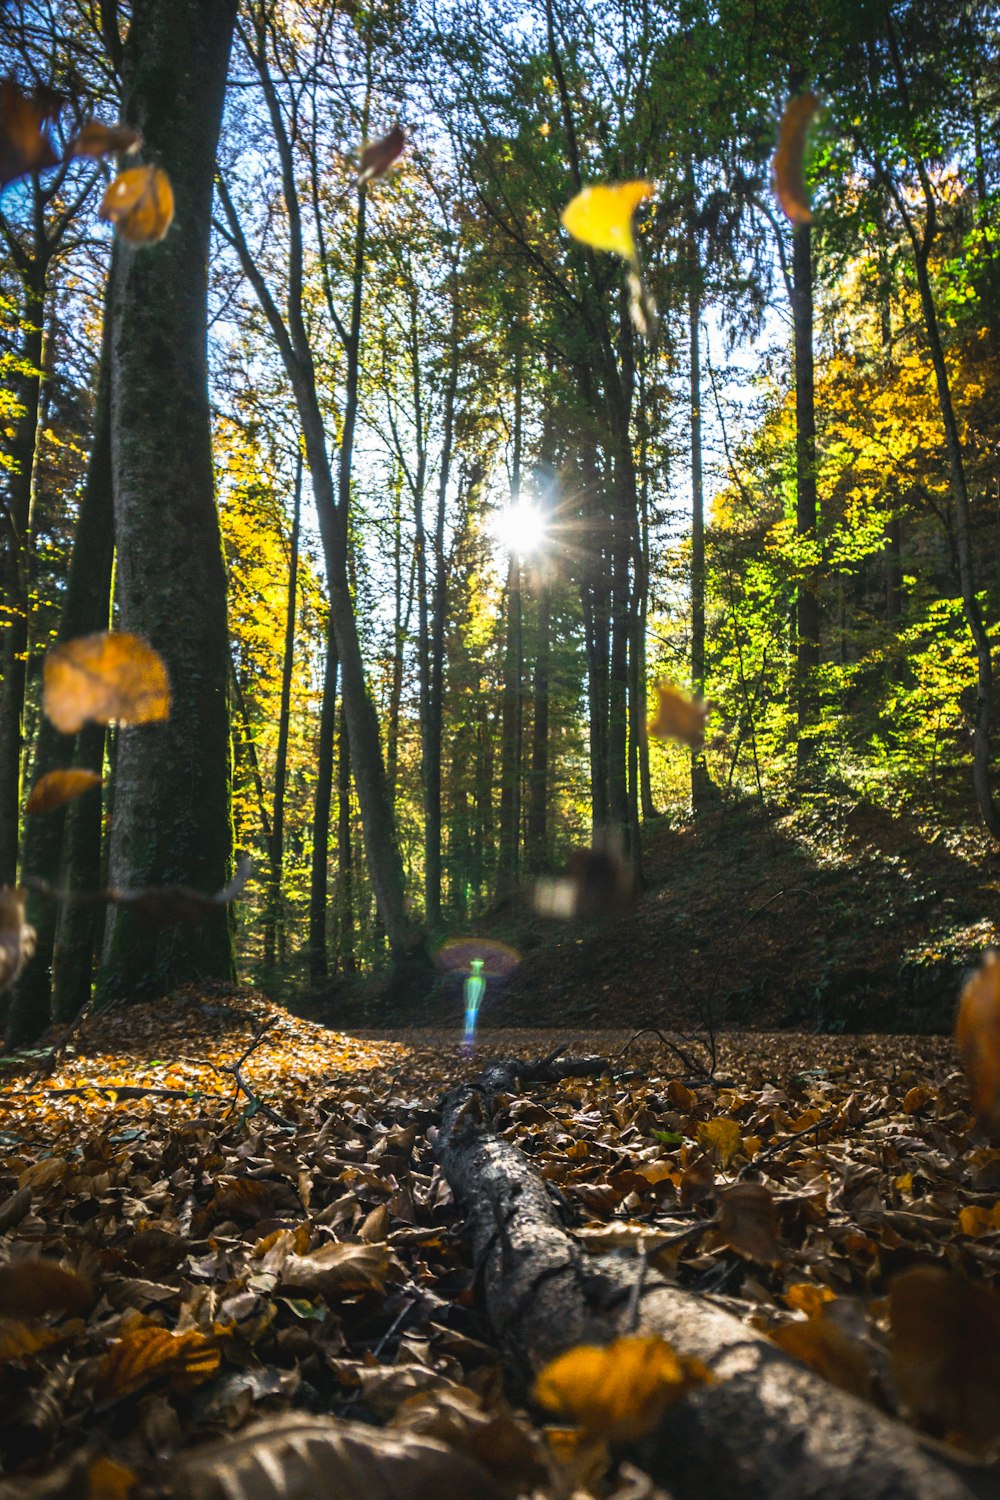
x=521, y=528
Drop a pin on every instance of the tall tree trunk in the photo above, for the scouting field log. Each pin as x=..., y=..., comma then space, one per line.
x=807, y=606
x=274, y=930
x=318, y=962
x=86, y=607
x=346, y=959
x=433, y=742
x=647, y=806
x=537, y=842
x=512, y=724
x=80, y=923
x=17, y=543
x=173, y=819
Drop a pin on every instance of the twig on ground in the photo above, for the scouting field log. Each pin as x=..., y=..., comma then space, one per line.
x=689, y=1063
x=242, y=1087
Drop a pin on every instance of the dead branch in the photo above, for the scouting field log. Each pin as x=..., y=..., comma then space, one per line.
x=767, y=1429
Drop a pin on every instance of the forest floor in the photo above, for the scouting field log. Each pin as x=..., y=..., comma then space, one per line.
x=179, y=1255
x=817, y=920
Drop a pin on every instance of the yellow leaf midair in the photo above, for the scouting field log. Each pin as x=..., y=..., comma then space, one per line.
x=601, y=216
x=140, y=204
x=619, y=1392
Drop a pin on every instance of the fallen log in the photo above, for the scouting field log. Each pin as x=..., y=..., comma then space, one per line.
x=766, y=1429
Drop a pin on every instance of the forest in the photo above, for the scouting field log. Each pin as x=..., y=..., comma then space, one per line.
x=499, y=580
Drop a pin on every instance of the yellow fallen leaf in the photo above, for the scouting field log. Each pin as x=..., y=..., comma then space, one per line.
x=621, y=1391
x=806, y=1297
x=105, y=677
x=601, y=216
x=108, y=1480
x=146, y=1354
x=140, y=204
x=721, y=1138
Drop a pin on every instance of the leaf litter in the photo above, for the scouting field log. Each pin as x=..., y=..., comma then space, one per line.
x=195, y=1300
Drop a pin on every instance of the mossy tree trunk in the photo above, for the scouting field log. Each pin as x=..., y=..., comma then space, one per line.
x=172, y=818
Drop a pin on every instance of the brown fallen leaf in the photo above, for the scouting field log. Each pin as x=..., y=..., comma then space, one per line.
x=378, y=156
x=19, y=1340
x=787, y=167
x=140, y=204
x=146, y=1354
x=338, y=1270
x=977, y=1036
x=828, y=1349
x=300, y=1456
x=25, y=145
x=108, y=677
x=679, y=717
x=618, y=1392
x=57, y=787
x=748, y=1222
x=946, y=1354
x=697, y=1181
x=31, y=1287
x=97, y=140
x=17, y=939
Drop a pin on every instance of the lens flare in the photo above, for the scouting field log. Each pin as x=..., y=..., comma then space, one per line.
x=475, y=989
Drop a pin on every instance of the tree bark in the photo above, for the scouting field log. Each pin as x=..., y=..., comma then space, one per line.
x=274, y=929
x=172, y=795
x=15, y=596
x=346, y=959
x=86, y=608
x=807, y=605
x=318, y=962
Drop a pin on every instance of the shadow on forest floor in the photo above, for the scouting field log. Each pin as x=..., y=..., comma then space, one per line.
x=862, y=922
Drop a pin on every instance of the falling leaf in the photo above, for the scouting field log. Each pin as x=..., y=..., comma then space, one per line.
x=825, y=1347
x=789, y=179
x=178, y=905
x=748, y=1221
x=679, y=717
x=146, y=1354
x=946, y=1354
x=24, y=138
x=107, y=677
x=601, y=216
x=57, y=787
x=17, y=939
x=378, y=156
x=30, y=1288
x=721, y=1138
x=598, y=883
x=140, y=204
x=977, y=1035
x=99, y=140
x=621, y=1391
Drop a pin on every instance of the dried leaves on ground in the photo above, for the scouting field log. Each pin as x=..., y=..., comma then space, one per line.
x=198, y=1300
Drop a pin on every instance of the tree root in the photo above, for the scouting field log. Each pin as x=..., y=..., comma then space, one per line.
x=767, y=1429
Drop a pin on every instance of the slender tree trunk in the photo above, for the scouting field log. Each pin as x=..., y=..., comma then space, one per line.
x=439, y=607
x=346, y=959
x=511, y=734
x=16, y=567
x=80, y=923
x=807, y=607
x=647, y=806
x=274, y=930
x=537, y=843
x=86, y=607
x=318, y=962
